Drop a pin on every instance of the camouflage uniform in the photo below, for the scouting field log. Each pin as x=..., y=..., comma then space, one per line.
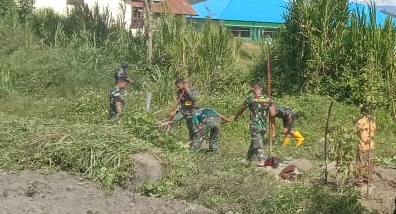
x=283, y=113
x=116, y=95
x=187, y=101
x=206, y=121
x=259, y=108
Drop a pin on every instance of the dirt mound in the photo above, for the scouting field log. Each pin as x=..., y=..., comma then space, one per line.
x=383, y=191
x=147, y=169
x=29, y=192
x=303, y=164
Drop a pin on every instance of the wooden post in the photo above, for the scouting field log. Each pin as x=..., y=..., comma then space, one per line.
x=269, y=96
x=325, y=139
x=368, y=164
x=148, y=100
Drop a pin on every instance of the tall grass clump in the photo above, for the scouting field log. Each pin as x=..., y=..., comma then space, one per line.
x=6, y=7
x=327, y=48
x=85, y=27
x=205, y=52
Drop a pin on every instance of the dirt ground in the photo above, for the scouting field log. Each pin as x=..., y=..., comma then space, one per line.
x=382, y=192
x=32, y=193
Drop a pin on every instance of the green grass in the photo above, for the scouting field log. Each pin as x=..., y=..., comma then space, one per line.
x=48, y=132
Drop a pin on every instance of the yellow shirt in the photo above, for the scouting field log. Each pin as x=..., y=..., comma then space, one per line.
x=366, y=129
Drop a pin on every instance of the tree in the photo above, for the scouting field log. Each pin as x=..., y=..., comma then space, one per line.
x=148, y=29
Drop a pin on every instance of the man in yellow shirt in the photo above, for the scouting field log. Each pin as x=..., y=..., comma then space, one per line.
x=365, y=129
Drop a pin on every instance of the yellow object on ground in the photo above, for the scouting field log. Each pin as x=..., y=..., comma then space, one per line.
x=286, y=141
x=299, y=138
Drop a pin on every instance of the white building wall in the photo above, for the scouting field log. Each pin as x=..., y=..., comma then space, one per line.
x=116, y=7
x=58, y=6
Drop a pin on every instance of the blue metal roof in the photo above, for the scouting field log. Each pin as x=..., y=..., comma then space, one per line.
x=242, y=10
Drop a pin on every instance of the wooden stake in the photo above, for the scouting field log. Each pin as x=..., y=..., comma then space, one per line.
x=325, y=139
x=269, y=95
x=368, y=164
x=148, y=101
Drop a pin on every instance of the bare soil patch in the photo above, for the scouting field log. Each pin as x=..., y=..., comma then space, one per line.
x=383, y=191
x=33, y=193
x=147, y=169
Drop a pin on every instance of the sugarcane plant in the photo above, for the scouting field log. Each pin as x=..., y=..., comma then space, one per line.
x=327, y=48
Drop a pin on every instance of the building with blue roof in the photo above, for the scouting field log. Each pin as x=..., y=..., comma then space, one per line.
x=252, y=19
x=257, y=19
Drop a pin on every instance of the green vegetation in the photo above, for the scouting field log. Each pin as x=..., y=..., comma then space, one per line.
x=327, y=49
x=54, y=86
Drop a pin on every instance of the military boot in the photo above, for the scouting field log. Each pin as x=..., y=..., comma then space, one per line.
x=286, y=141
x=299, y=138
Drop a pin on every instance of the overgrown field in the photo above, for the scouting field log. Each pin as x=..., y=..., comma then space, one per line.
x=54, y=86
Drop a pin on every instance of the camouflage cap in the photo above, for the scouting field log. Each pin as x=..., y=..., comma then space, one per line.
x=121, y=74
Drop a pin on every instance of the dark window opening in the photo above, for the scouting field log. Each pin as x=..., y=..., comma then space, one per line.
x=240, y=32
x=267, y=33
x=137, y=18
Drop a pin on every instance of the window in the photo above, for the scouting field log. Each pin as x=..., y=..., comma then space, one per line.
x=267, y=33
x=137, y=19
x=75, y=2
x=240, y=32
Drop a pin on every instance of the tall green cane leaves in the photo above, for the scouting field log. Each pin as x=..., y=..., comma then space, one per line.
x=327, y=48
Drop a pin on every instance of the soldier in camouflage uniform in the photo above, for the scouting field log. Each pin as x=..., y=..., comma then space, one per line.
x=118, y=92
x=288, y=117
x=206, y=120
x=259, y=106
x=188, y=99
